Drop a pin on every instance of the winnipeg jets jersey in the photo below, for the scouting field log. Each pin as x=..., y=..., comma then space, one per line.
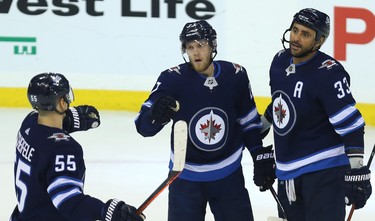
x=221, y=116
x=315, y=120
x=49, y=176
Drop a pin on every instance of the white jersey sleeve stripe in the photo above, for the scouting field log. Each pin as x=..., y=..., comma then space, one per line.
x=248, y=118
x=64, y=181
x=357, y=124
x=342, y=115
x=58, y=199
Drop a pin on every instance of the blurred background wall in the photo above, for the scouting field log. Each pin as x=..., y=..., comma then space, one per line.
x=112, y=51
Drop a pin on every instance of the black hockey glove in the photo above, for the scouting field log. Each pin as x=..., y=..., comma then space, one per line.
x=358, y=187
x=264, y=167
x=116, y=210
x=164, y=109
x=81, y=118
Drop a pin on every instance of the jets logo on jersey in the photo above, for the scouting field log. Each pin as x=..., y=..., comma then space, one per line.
x=284, y=113
x=328, y=64
x=59, y=136
x=207, y=129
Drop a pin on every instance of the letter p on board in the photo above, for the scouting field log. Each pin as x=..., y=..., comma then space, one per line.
x=342, y=37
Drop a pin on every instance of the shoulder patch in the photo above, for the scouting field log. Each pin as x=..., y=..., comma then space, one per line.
x=237, y=67
x=328, y=64
x=280, y=52
x=175, y=69
x=27, y=131
x=59, y=137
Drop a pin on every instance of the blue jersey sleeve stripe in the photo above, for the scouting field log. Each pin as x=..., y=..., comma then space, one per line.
x=62, y=196
x=358, y=123
x=147, y=104
x=252, y=126
x=342, y=115
x=250, y=117
x=64, y=181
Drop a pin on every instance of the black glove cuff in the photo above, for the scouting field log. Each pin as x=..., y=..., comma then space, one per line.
x=70, y=121
x=81, y=118
x=358, y=175
x=262, y=153
x=111, y=209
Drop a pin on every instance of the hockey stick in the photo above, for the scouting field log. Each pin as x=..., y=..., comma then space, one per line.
x=276, y=197
x=368, y=166
x=180, y=141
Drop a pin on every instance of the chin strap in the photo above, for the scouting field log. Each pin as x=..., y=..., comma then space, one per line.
x=283, y=40
x=59, y=112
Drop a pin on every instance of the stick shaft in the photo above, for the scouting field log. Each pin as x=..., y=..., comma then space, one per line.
x=171, y=177
x=371, y=157
x=276, y=197
x=180, y=145
x=351, y=213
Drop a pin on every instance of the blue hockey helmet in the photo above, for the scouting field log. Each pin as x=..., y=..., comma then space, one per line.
x=46, y=88
x=198, y=30
x=314, y=19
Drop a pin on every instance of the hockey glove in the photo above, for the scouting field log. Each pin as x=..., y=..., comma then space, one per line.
x=358, y=187
x=115, y=210
x=164, y=109
x=264, y=167
x=81, y=118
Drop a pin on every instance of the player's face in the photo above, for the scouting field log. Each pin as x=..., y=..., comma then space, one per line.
x=199, y=52
x=302, y=42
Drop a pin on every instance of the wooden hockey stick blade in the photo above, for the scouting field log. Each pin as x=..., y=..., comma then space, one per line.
x=179, y=155
x=180, y=142
x=368, y=166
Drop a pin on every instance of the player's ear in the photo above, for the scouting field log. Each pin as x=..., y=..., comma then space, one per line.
x=61, y=103
x=321, y=41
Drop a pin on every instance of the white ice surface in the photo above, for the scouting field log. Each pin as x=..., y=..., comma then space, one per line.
x=121, y=163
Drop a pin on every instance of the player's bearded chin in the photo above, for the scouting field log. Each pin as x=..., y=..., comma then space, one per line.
x=303, y=51
x=201, y=66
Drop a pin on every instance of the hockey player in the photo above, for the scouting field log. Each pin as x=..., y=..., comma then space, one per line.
x=318, y=131
x=215, y=99
x=49, y=169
